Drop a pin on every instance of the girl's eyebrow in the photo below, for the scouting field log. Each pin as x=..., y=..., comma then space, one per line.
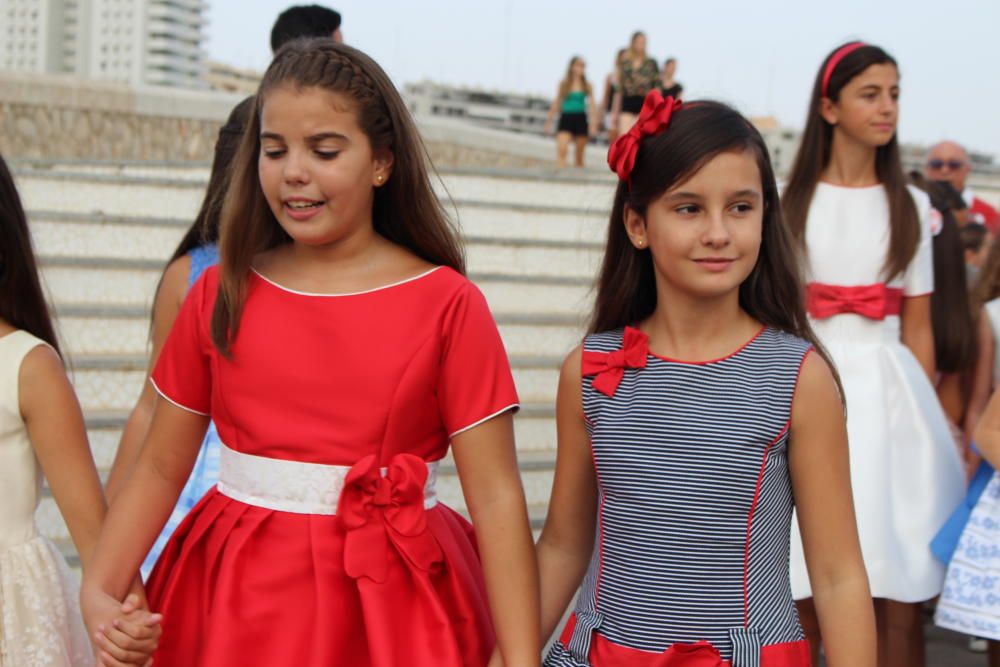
x=314, y=138
x=325, y=135
x=753, y=194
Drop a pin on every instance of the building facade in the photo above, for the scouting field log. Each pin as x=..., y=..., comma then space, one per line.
x=139, y=42
x=505, y=111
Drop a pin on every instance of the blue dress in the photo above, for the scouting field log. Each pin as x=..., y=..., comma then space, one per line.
x=205, y=473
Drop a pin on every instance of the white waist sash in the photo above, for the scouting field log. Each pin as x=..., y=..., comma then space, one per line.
x=293, y=486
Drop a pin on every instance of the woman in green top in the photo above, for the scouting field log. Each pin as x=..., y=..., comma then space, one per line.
x=575, y=102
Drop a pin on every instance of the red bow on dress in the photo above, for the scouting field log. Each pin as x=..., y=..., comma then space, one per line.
x=653, y=119
x=608, y=368
x=872, y=301
x=699, y=654
x=378, y=510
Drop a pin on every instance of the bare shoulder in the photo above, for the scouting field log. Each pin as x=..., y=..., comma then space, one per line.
x=41, y=373
x=572, y=363
x=817, y=394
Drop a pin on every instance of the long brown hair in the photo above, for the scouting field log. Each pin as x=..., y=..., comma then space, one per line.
x=22, y=302
x=814, y=155
x=626, y=287
x=566, y=85
x=405, y=210
x=205, y=228
x=952, y=317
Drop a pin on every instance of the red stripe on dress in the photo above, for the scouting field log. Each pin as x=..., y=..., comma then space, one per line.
x=753, y=508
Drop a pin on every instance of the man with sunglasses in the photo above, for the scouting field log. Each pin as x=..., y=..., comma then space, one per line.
x=948, y=161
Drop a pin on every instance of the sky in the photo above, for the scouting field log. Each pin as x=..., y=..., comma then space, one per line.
x=759, y=55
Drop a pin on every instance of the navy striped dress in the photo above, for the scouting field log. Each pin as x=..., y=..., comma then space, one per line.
x=695, y=506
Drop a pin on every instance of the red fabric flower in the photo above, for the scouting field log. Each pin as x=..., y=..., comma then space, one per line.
x=608, y=368
x=653, y=119
x=379, y=510
x=699, y=654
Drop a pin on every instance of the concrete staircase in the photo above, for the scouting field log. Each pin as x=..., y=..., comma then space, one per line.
x=102, y=232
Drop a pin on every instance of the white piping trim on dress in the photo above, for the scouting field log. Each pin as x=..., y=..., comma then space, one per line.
x=512, y=406
x=182, y=407
x=367, y=291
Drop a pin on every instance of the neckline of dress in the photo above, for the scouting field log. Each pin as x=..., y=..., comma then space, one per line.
x=707, y=362
x=855, y=188
x=367, y=291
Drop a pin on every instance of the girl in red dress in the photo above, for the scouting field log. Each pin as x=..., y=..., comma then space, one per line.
x=340, y=350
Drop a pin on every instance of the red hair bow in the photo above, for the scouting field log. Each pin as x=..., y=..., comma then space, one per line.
x=653, y=119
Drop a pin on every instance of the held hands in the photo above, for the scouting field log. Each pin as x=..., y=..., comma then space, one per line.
x=122, y=633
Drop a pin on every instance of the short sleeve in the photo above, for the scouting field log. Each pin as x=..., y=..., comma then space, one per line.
x=475, y=382
x=183, y=373
x=919, y=277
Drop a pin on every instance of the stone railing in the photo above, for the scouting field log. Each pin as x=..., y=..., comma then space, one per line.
x=51, y=116
x=62, y=117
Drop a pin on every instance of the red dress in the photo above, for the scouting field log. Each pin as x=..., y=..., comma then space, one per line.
x=361, y=382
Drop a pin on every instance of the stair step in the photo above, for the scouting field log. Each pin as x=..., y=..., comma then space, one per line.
x=124, y=330
x=476, y=219
x=92, y=247
x=535, y=295
x=115, y=194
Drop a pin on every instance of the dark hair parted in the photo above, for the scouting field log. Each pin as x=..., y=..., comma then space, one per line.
x=405, y=209
x=22, y=302
x=626, y=286
x=952, y=318
x=205, y=228
x=814, y=156
x=303, y=21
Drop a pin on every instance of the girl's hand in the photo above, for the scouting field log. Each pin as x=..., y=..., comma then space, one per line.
x=121, y=633
x=547, y=128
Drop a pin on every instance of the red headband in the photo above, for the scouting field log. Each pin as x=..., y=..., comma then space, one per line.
x=653, y=119
x=834, y=60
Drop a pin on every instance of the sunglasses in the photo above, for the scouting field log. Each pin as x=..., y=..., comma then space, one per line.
x=954, y=165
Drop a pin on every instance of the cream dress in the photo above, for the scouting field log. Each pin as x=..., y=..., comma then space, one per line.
x=905, y=471
x=40, y=622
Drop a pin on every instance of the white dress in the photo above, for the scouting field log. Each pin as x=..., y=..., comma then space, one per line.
x=970, y=601
x=40, y=622
x=905, y=471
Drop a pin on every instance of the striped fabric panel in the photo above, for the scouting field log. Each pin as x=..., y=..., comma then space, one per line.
x=680, y=451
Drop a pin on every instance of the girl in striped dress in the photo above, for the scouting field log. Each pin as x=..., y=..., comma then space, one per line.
x=698, y=406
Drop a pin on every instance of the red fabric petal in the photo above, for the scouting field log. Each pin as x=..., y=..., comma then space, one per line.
x=377, y=510
x=653, y=119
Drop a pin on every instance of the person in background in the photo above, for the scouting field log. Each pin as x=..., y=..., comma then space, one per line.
x=42, y=435
x=639, y=75
x=949, y=161
x=305, y=21
x=970, y=601
x=869, y=251
x=574, y=102
x=669, y=86
x=612, y=83
x=955, y=336
x=197, y=251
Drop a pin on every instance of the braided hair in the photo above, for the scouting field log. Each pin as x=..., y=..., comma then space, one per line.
x=405, y=209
